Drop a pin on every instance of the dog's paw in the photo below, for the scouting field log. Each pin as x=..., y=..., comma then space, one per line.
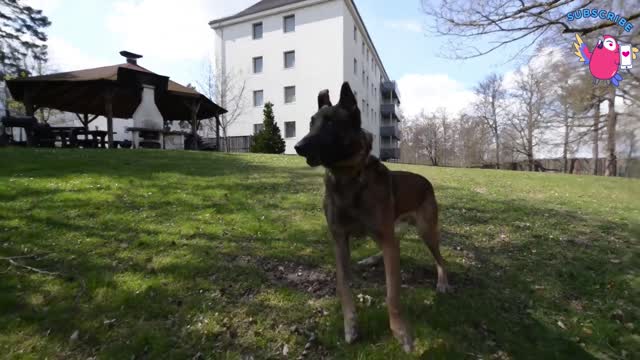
x=350, y=335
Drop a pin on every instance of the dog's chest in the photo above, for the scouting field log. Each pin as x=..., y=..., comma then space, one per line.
x=348, y=209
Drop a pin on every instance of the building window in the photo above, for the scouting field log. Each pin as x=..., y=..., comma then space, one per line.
x=363, y=78
x=355, y=67
x=289, y=59
x=355, y=33
x=289, y=23
x=363, y=106
x=257, y=65
x=362, y=47
x=289, y=94
x=290, y=129
x=257, y=128
x=258, y=98
x=257, y=31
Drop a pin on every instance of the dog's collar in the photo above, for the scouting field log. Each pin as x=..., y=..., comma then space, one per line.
x=351, y=169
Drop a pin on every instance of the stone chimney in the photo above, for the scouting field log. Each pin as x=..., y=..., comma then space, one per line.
x=147, y=115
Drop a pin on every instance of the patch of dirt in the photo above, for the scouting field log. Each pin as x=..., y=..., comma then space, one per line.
x=320, y=283
x=314, y=281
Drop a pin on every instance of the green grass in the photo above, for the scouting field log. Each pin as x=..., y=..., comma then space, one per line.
x=171, y=254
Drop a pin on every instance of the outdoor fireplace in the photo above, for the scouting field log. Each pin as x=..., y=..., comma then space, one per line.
x=147, y=130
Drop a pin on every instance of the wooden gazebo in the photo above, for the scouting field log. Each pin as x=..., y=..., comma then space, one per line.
x=113, y=91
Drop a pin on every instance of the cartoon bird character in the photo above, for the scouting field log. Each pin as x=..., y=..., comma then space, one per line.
x=604, y=61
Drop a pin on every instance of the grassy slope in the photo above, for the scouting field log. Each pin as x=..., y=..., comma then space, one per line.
x=170, y=254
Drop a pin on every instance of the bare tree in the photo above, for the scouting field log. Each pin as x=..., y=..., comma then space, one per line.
x=489, y=107
x=426, y=138
x=472, y=140
x=227, y=89
x=529, y=112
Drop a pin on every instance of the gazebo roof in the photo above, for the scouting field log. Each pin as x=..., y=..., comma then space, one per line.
x=83, y=91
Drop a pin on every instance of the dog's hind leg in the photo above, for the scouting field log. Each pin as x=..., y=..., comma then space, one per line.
x=343, y=277
x=401, y=228
x=427, y=225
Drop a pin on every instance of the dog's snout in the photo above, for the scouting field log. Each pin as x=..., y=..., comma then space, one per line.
x=301, y=148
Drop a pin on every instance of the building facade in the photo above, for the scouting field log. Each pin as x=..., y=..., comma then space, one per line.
x=286, y=51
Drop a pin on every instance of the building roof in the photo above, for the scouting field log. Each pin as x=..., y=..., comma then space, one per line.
x=260, y=6
x=107, y=73
x=265, y=5
x=83, y=91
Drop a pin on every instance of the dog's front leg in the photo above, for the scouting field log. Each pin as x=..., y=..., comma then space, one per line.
x=391, y=254
x=343, y=276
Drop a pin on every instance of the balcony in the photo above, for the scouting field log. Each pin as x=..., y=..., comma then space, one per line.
x=389, y=153
x=390, y=131
x=390, y=90
x=390, y=110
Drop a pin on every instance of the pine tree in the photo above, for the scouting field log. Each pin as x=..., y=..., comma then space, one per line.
x=269, y=140
x=22, y=38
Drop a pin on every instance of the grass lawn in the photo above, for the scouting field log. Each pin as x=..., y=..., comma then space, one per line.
x=180, y=255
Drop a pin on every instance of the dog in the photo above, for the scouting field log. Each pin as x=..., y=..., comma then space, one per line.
x=363, y=197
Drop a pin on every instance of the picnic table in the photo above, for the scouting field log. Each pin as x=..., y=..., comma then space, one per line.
x=64, y=134
x=98, y=138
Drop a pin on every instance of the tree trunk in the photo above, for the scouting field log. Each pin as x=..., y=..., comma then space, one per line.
x=497, y=149
x=565, y=144
x=226, y=139
x=596, y=136
x=530, y=143
x=195, y=107
x=612, y=120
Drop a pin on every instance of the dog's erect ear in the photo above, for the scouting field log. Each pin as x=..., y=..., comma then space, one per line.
x=347, y=99
x=350, y=104
x=323, y=99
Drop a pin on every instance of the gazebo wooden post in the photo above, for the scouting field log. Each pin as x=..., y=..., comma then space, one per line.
x=27, y=101
x=85, y=123
x=217, y=132
x=195, y=107
x=108, y=102
x=29, y=110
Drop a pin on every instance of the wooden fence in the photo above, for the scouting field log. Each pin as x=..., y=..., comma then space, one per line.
x=237, y=144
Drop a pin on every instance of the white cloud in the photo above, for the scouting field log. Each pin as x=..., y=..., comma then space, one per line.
x=167, y=29
x=404, y=25
x=64, y=56
x=429, y=92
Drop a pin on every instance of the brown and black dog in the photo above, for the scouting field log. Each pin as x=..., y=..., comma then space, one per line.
x=362, y=197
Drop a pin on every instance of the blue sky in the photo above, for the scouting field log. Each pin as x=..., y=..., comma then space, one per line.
x=176, y=40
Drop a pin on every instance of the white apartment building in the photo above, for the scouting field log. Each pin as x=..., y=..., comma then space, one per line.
x=289, y=50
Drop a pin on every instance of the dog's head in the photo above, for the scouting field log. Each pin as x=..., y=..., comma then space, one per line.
x=336, y=133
